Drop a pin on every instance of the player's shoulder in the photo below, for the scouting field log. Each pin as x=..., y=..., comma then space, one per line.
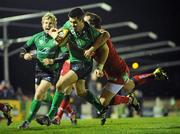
x=39, y=34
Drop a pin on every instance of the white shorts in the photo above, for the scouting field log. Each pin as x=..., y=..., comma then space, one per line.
x=113, y=88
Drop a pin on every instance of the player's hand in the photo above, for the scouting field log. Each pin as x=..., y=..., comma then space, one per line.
x=88, y=53
x=98, y=72
x=53, y=32
x=48, y=61
x=28, y=56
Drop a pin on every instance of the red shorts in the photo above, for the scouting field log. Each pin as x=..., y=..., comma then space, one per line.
x=66, y=67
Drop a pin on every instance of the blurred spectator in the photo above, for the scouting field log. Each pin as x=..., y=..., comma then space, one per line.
x=158, y=107
x=6, y=90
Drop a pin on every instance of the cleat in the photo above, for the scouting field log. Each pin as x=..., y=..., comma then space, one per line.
x=134, y=102
x=56, y=121
x=102, y=111
x=160, y=74
x=7, y=114
x=73, y=119
x=103, y=120
x=24, y=125
x=44, y=120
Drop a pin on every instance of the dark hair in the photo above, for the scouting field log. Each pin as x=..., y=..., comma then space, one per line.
x=76, y=12
x=94, y=19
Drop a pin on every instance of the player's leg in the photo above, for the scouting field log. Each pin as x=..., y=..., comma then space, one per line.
x=63, y=83
x=158, y=74
x=36, y=102
x=65, y=102
x=87, y=95
x=65, y=105
x=6, y=109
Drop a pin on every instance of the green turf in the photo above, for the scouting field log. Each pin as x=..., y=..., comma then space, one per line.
x=166, y=125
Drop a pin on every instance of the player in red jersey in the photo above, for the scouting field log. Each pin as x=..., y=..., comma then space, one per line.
x=116, y=69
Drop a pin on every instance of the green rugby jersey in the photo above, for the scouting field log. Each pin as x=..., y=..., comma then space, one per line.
x=46, y=47
x=77, y=44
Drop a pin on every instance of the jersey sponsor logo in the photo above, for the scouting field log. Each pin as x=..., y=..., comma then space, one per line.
x=41, y=42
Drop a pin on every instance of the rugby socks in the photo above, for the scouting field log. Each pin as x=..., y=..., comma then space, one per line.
x=63, y=106
x=93, y=100
x=118, y=99
x=143, y=78
x=69, y=109
x=58, y=97
x=33, y=110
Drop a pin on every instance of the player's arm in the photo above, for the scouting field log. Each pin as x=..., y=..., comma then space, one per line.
x=59, y=35
x=104, y=36
x=101, y=59
x=60, y=59
x=26, y=48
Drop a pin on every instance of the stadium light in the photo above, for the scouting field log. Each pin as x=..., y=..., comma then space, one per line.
x=145, y=46
x=104, y=6
x=121, y=24
x=134, y=36
x=149, y=52
x=162, y=64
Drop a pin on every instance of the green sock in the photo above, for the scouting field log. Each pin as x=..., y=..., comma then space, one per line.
x=93, y=100
x=55, y=104
x=34, y=108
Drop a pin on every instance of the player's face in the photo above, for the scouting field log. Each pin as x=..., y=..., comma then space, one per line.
x=76, y=23
x=47, y=24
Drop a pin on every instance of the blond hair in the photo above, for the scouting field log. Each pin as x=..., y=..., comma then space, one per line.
x=51, y=16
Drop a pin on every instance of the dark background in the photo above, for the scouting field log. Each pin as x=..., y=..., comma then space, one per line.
x=159, y=16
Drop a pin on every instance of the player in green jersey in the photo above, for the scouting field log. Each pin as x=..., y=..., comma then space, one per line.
x=79, y=36
x=46, y=47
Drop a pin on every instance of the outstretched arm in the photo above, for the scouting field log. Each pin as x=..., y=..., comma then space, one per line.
x=98, y=43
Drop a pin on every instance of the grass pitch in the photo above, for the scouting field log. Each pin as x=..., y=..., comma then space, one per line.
x=165, y=125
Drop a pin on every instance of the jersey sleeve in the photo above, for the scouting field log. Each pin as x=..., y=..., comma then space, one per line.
x=66, y=25
x=95, y=32
x=30, y=42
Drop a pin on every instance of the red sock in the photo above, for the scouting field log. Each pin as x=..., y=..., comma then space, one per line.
x=69, y=109
x=118, y=99
x=63, y=106
x=143, y=78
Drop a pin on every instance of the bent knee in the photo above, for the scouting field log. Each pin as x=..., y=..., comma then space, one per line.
x=39, y=96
